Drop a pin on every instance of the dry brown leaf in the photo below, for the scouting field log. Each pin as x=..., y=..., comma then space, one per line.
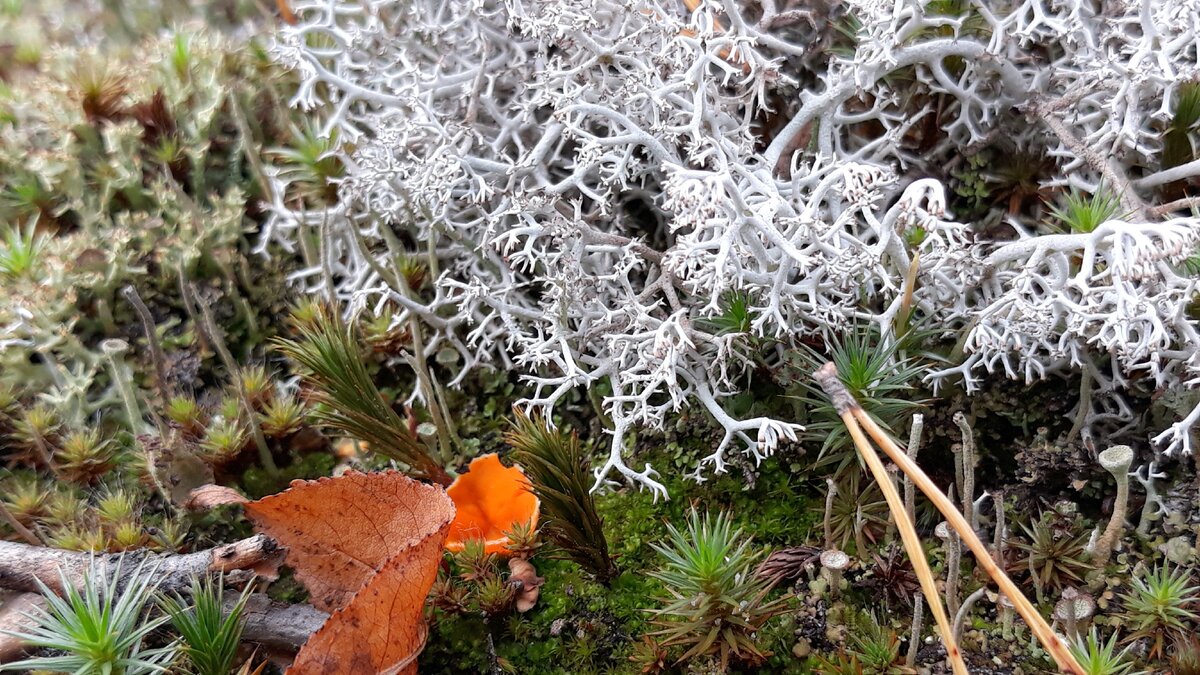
x=340, y=531
x=382, y=629
x=206, y=497
x=367, y=547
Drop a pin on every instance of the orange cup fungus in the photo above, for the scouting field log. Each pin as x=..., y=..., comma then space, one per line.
x=491, y=498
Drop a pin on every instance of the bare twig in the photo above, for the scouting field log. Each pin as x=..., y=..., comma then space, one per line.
x=279, y=626
x=13, y=617
x=1177, y=205
x=21, y=565
x=1107, y=167
x=1050, y=642
x=845, y=404
x=852, y=414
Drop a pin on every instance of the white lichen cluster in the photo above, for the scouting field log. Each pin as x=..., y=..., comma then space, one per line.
x=590, y=180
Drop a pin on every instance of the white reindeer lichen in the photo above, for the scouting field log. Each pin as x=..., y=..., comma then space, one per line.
x=591, y=179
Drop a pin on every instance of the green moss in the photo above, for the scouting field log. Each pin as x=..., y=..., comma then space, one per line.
x=287, y=588
x=579, y=626
x=258, y=482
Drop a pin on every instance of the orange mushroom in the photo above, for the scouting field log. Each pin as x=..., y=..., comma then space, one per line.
x=490, y=499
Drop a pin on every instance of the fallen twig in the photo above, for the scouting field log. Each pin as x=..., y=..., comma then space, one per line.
x=22, y=565
x=845, y=404
x=1107, y=166
x=279, y=627
x=13, y=609
x=849, y=409
x=1052, y=644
